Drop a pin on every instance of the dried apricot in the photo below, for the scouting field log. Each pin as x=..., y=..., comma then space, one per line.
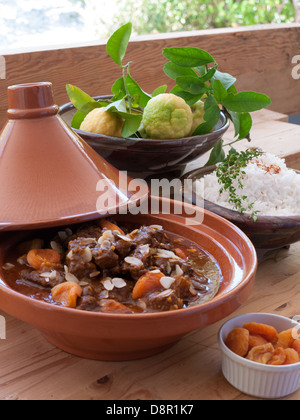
x=279, y=357
x=256, y=340
x=39, y=258
x=266, y=331
x=66, y=294
x=261, y=354
x=147, y=283
x=292, y=357
x=285, y=339
x=238, y=341
x=296, y=346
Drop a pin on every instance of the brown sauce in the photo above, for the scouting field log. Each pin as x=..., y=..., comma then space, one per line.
x=129, y=270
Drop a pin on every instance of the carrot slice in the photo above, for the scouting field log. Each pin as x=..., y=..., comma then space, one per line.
x=39, y=258
x=105, y=224
x=147, y=283
x=66, y=294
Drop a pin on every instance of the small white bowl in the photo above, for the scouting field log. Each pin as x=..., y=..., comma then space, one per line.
x=255, y=379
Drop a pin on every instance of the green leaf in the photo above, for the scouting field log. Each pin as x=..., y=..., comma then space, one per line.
x=209, y=74
x=217, y=154
x=118, y=89
x=246, y=101
x=245, y=125
x=189, y=98
x=117, y=44
x=80, y=99
x=211, y=116
x=219, y=91
x=173, y=71
x=119, y=106
x=132, y=122
x=78, y=119
x=159, y=90
x=131, y=125
x=226, y=79
x=188, y=56
x=138, y=96
x=192, y=85
x=242, y=122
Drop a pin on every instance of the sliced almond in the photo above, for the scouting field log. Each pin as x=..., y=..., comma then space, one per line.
x=62, y=235
x=95, y=274
x=179, y=271
x=165, y=293
x=163, y=253
x=133, y=261
x=167, y=282
x=8, y=266
x=87, y=255
x=108, y=284
x=56, y=246
x=156, y=227
x=71, y=278
x=119, y=283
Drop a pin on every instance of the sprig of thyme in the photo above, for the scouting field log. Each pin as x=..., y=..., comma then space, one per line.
x=232, y=169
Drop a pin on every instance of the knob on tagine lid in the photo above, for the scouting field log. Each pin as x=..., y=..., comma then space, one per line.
x=48, y=175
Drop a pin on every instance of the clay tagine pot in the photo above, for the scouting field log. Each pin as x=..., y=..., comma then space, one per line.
x=49, y=176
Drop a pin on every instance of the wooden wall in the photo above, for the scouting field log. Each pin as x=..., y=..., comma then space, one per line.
x=260, y=57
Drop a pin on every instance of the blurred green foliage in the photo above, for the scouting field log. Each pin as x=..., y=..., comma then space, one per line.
x=160, y=16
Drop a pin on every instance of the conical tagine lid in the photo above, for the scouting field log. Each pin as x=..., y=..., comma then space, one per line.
x=48, y=175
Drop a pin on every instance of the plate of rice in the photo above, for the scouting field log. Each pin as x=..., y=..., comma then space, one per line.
x=268, y=187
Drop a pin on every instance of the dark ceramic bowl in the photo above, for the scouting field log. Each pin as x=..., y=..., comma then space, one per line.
x=147, y=157
x=268, y=233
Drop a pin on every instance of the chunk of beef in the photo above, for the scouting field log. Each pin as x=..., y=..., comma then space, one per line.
x=45, y=279
x=79, y=257
x=163, y=301
x=183, y=288
x=123, y=248
x=87, y=303
x=147, y=235
x=105, y=258
x=138, y=262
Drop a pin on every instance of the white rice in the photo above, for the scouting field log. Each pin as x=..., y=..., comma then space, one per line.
x=269, y=184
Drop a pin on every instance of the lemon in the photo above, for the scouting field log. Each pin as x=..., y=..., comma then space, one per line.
x=103, y=122
x=167, y=116
x=198, y=115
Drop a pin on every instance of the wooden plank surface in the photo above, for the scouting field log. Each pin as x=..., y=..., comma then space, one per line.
x=272, y=133
x=260, y=57
x=32, y=369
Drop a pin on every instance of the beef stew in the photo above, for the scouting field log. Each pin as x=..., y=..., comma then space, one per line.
x=106, y=267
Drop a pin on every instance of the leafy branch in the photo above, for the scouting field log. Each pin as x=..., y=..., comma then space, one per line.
x=197, y=77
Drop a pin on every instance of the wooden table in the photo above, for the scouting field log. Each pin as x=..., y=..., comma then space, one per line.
x=32, y=369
